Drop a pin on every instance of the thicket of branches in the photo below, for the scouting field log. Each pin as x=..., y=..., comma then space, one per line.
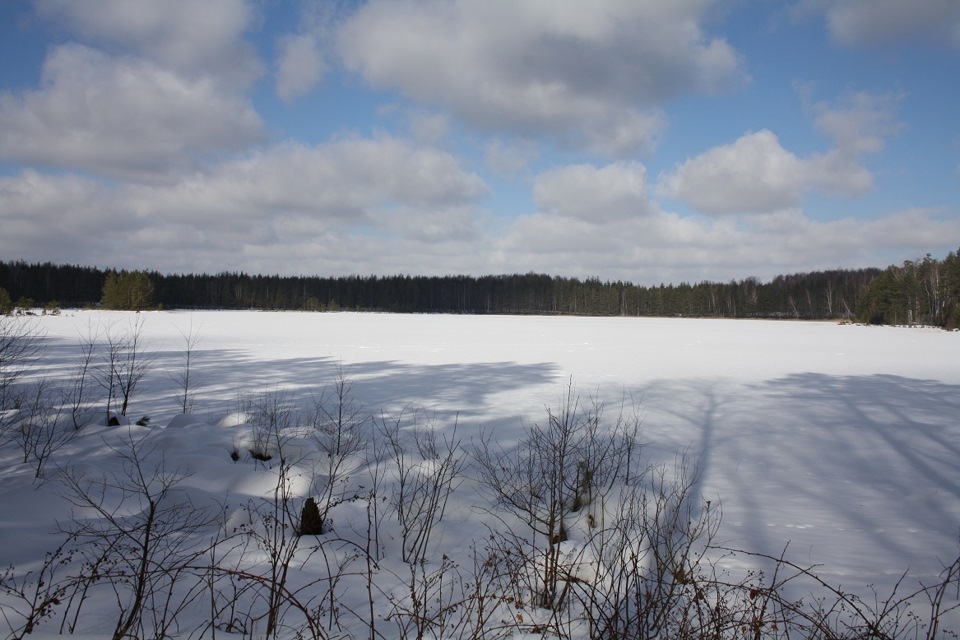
x=582, y=538
x=924, y=291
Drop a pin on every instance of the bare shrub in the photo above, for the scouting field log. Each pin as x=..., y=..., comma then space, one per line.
x=342, y=433
x=272, y=416
x=427, y=466
x=559, y=472
x=641, y=575
x=35, y=596
x=135, y=536
x=185, y=377
x=41, y=428
x=20, y=346
x=123, y=364
x=271, y=551
x=80, y=395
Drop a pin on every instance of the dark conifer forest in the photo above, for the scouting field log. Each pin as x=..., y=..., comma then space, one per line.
x=925, y=291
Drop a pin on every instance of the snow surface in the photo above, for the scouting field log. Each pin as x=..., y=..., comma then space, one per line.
x=841, y=441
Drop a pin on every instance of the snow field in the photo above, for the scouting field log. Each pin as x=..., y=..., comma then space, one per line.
x=838, y=442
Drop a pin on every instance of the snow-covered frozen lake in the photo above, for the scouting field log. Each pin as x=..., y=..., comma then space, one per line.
x=842, y=441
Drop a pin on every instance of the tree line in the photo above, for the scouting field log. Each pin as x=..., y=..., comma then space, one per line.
x=925, y=291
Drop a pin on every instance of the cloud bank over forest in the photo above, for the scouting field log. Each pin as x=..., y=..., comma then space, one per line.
x=627, y=140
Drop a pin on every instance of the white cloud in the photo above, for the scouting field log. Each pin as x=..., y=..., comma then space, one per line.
x=880, y=23
x=616, y=191
x=274, y=204
x=755, y=174
x=240, y=216
x=300, y=68
x=858, y=123
x=192, y=38
x=915, y=229
x=345, y=177
x=666, y=247
x=585, y=74
x=120, y=117
x=64, y=219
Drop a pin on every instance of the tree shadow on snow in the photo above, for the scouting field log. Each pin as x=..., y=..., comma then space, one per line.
x=220, y=377
x=854, y=470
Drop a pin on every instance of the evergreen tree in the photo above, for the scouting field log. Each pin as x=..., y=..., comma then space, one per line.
x=6, y=304
x=128, y=290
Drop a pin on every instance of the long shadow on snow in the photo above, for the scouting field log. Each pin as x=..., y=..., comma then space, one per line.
x=219, y=377
x=869, y=460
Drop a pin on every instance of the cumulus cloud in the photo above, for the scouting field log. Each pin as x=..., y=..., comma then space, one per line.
x=616, y=191
x=349, y=229
x=273, y=203
x=599, y=219
x=884, y=22
x=67, y=219
x=667, y=247
x=753, y=174
x=190, y=38
x=343, y=178
x=756, y=174
x=585, y=74
x=120, y=117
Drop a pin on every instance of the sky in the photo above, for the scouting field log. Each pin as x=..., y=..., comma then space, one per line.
x=638, y=140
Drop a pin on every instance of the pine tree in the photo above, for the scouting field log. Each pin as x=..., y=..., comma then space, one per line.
x=6, y=304
x=128, y=290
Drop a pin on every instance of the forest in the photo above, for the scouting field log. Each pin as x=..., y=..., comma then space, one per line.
x=924, y=291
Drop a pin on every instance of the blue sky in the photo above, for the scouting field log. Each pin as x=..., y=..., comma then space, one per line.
x=639, y=140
